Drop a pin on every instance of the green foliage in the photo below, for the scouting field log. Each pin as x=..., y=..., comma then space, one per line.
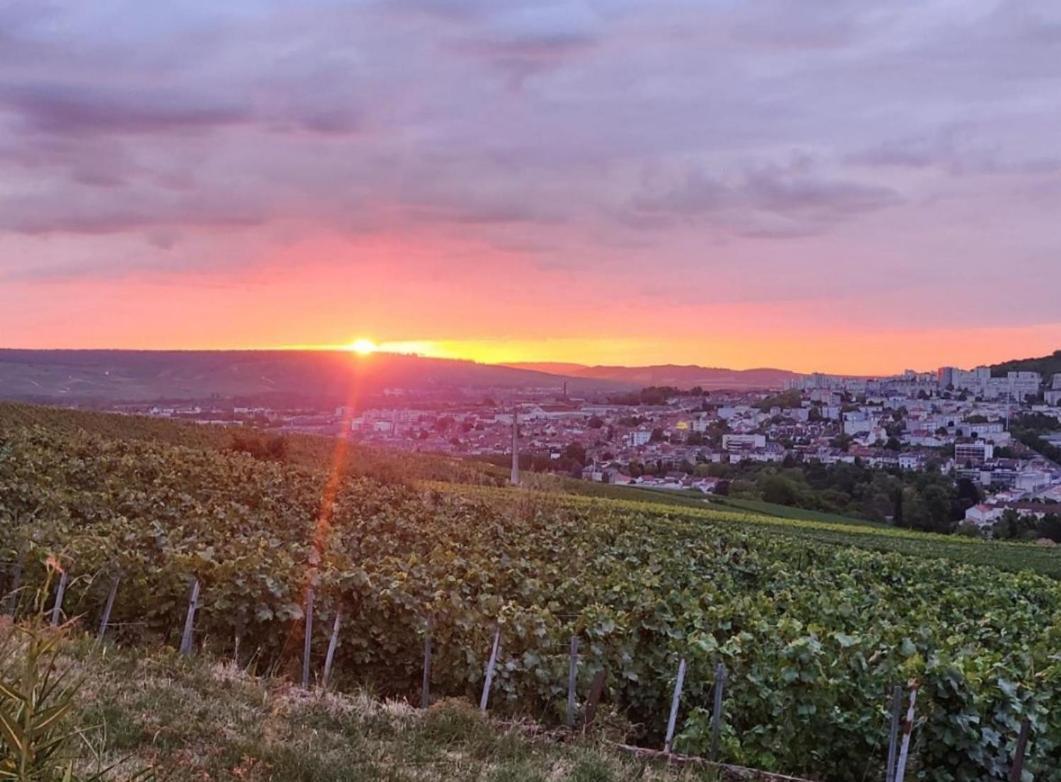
x=39, y=741
x=928, y=500
x=812, y=624
x=34, y=706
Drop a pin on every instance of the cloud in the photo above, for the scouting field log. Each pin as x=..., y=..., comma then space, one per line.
x=81, y=211
x=70, y=109
x=768, y=201
x=607, y=138
x=955, y=151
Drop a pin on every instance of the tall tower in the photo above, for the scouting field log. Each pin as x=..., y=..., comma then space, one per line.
x=515, y=445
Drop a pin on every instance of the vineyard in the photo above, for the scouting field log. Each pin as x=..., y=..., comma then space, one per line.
x=815, y=622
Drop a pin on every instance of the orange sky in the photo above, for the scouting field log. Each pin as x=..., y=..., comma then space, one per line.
x=545, y=317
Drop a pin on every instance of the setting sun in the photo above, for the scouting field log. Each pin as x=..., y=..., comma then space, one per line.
x=363, y=346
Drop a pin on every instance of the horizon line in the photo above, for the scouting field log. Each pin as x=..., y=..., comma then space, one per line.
x=526, y=364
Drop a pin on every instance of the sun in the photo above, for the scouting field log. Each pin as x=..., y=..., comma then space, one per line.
x=363, y=346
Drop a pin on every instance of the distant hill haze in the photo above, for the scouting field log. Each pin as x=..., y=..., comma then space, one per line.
x=682, y=376
x=310, y=375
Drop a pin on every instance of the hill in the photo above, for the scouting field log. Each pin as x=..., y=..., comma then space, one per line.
x=675, y=375
x=813, y=619
x=1047, y=366
x=328, y=377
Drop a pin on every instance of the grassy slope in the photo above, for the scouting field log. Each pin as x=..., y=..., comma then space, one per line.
x=317, y=452
x=201, y=719
x=787, y=512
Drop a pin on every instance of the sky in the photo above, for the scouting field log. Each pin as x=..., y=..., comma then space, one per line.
x=838, y=186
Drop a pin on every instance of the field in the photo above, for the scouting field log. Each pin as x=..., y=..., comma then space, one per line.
x=813, y=620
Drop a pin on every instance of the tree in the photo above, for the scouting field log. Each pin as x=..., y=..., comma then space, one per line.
x=596, y=422
x=778, y=491
x=968, y=495
x=842, y=442
x=1050, y=527
x=1013, y=526
x=576, y=452
x=937, y=501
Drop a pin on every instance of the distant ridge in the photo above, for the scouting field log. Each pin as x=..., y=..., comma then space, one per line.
x=678, y=375
x=1047, y=366
x=321, y=376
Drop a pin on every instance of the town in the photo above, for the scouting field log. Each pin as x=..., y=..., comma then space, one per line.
x=988, y=444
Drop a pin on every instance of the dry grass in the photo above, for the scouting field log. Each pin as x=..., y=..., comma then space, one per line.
x=202, y=720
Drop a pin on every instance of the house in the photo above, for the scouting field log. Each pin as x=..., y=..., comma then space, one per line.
x=911, y=461
x=983, y=515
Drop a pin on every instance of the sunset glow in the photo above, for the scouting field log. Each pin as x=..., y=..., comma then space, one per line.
x=363, y=346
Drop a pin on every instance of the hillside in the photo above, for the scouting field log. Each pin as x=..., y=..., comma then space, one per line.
x=675, y=375
x=208, y=719
x=327, y=377
x=813, y=620
x=1047, y=366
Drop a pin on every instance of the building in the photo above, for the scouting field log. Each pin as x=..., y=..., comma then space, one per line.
x=743, y=442
x=637, y=438
x=911, y=461
x=974, y=454
x=858, y=422
x=1015, y=386
x=983, y=515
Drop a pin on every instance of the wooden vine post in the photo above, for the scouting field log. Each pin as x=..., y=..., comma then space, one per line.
x=908, y=728
x=490, y=667
x=572, y=682
x=425, y=682
x=307, y=640
x=105, y=619
x=675, y=702
x=716, y=711
x=893, y=733
x=333, y=644
x=188, y=636
x=57, y=608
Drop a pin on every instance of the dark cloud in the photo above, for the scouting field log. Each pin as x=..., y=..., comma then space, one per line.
x=766, y=202
x=955, y=151
x=71, y=109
